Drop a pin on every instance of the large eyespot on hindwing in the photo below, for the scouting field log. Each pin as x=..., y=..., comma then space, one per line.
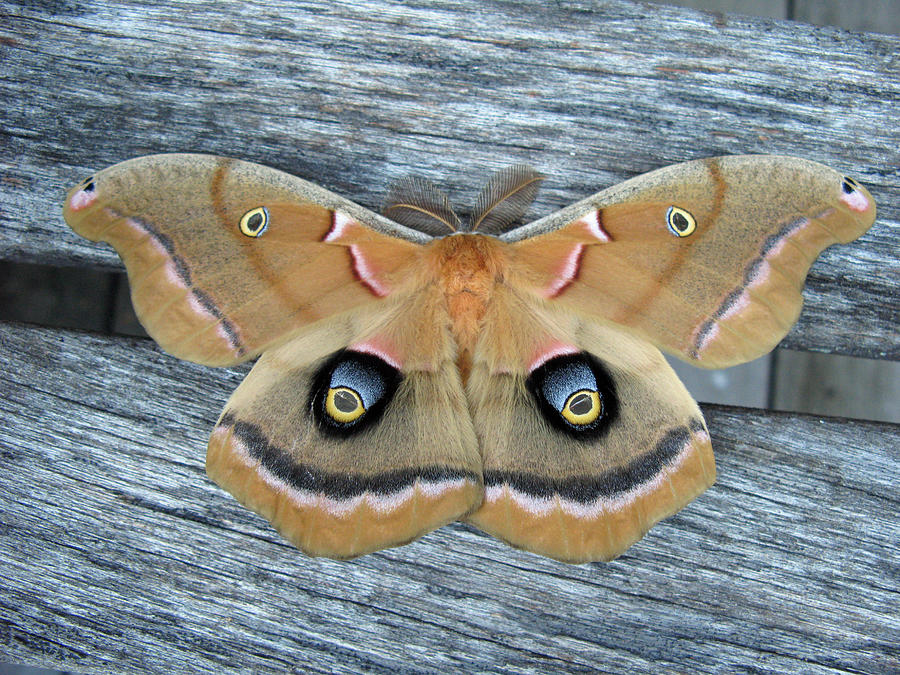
x=575, y=394
x=351, y=390
x=254, y=222
x=680, y=222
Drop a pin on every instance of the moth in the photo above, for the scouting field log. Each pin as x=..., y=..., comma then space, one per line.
x=415, y=369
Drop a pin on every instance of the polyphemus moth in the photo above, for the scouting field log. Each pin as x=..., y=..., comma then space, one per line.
x=415, y=369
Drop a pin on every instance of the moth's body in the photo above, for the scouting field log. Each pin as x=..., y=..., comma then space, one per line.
x=408, y=379
x=465, y=270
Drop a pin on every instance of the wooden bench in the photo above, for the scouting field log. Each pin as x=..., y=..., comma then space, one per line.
x=116, y=551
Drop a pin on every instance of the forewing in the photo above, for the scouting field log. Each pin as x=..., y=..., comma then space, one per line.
x=226, y=258
x=706, y=258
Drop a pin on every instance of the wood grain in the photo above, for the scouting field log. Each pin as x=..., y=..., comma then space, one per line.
x=830, y=385
x=352, y=96
x=116, y=551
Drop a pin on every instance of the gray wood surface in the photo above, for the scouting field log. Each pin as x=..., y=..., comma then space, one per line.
x=775, y=9
x=842, y=386
x=879, y=16
x=352, y=96
x=116, y=551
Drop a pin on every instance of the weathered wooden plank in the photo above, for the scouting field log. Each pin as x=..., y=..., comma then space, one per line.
x=836, y=385
x=775, y=9
x=880, y=16
x=353, y=95
x=117, y=553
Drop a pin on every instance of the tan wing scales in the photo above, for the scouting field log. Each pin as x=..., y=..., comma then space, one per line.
x=568, y=490
x=205, y=284
x=335, y=490
x=707, y=258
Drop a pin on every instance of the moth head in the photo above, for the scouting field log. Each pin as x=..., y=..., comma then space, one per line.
x=680, y=222
x=575, y=394
x=420, y=204
x=351, y=390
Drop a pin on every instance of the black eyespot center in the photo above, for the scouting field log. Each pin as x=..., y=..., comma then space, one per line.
x=345, y=401
x=88, y=184
x=581, y=404
x=679, y=222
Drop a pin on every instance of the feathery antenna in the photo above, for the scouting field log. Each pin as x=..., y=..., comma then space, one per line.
x=505, y=198
x=420, y=204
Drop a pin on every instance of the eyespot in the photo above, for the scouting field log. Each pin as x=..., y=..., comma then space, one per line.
x=88, y=184
x=351, y=390
x=681, y=223
x=854, y=196
x=575, y=394
x=848, y=185
x=255, y=221
x=583, y=407
x=343, y=404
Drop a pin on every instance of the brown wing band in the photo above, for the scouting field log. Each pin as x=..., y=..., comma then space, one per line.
x=609, y=485
x=682, y=254
x=754, y=271
x=183, y=272
x=337, y=486
x=223, y=166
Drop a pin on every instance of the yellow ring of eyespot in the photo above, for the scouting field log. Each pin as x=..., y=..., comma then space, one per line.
x=585, y=417
x=256, y=229
x=336, y=413
x=681, y=230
